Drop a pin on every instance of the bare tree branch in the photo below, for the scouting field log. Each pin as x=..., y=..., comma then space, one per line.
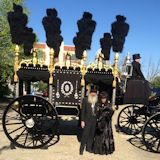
x=153, y=69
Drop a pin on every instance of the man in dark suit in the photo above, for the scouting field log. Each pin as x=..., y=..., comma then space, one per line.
x=137, y=73
x=88, y=120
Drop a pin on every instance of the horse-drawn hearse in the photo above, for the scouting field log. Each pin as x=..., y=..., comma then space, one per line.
x=31, y=121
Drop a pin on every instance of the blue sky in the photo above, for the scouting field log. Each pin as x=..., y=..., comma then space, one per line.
x=143, y=17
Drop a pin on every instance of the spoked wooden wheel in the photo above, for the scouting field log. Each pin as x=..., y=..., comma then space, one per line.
x=151, y=133
x=130, y=120
x=30, y=122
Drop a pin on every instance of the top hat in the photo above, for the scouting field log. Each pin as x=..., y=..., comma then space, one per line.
x=136, y=56
x=93, y=88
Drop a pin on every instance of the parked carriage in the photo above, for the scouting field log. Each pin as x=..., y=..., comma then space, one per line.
x=136, y=118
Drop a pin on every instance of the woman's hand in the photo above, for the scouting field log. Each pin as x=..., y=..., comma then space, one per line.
x=82, y=124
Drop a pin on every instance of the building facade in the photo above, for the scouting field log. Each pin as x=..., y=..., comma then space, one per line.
x=65, y=51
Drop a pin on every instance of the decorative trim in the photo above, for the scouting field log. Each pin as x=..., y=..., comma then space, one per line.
x=69, y=88
x=76, y=94
x=57, y=94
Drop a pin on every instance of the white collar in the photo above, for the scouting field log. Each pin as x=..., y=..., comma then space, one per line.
x=92, y=105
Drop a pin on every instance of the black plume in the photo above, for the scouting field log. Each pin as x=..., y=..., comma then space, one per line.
x=28, y=41
x=106, y=44
x=17, y=22
x=86, y=27
x=119, y=31
x=51, y=24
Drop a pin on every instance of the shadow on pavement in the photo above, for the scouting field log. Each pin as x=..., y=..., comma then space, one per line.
x=138, y=142
x=4, y=148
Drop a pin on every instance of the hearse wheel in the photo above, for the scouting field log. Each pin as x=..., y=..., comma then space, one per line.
x=30, y=122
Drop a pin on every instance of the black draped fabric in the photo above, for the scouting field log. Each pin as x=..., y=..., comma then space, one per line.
x=103, y=80
x=137, y=92
x=67, y=88
x=104, y=141
x=33, y=75
x=99, y=77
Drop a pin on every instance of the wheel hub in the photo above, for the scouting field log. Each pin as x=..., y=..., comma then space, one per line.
x=30, y=123
x=132, y=120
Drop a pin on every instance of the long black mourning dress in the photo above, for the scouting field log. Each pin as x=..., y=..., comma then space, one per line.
x=103, y=141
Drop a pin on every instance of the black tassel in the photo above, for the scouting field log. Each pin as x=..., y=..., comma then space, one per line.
x=83, y=39
x=51, y=24
x=119, y=31
x=17, y=22
x=28, y=41
x=106, y=44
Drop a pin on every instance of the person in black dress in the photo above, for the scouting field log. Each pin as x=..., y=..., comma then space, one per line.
x=103, y=140
x=88, y=120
